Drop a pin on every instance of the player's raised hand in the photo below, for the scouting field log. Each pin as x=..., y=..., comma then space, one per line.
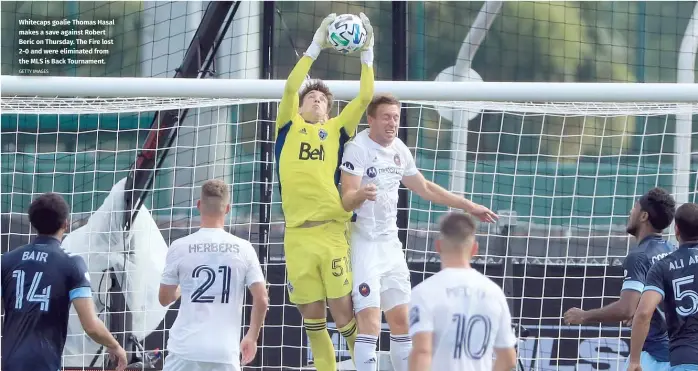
x=119, y=354
x=484, y=214
x=320, y=37
x=248, y=349
x=368, y=45
x=368, y=192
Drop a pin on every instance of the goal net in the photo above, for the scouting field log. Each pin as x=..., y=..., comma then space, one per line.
x=562, y=177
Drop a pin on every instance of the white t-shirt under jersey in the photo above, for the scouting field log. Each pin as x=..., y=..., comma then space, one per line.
x=467, y=315
x=384, y=167
x=213, y=269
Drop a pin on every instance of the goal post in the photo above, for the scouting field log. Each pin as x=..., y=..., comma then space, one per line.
x=557, y=160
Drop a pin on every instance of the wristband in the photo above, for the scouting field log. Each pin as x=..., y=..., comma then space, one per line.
x=367, y=57
x=313, y=50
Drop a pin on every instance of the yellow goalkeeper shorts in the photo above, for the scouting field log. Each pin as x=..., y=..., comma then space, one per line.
x=317, y=262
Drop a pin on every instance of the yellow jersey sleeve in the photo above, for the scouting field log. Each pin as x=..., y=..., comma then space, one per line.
x=288, y=108
x=351, y=114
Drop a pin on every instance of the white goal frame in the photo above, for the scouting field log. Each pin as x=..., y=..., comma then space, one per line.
x=18, y=92
x=58, y=95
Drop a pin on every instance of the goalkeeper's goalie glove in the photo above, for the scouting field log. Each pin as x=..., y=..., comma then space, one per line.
x=320, y=38
x=367, y=50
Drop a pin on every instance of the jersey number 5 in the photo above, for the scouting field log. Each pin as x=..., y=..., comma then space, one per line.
x=199, y=295
x=679, y=295
x=32, y=296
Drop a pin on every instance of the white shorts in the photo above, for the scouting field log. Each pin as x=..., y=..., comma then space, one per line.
x=380, y=273
x=175, y=363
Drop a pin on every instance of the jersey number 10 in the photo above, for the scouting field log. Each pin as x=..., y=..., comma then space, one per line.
x=32, y=296
x=472, y=336
x=199, y=295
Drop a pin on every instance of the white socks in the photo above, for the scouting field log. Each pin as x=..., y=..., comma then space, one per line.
x=400, y=346
x=365, y=358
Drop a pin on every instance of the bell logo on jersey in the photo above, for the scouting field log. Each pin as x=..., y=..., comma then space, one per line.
x=348, y=165
x=371, y=172
x=307, y=152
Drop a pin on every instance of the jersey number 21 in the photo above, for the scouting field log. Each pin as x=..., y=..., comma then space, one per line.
x=199, y=295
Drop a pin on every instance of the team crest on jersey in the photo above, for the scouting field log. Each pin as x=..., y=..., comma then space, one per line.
x=371, y=172
x=322, y=133
x=364, y=290
x=290, y=287
x=414, y=316
x=396, y=158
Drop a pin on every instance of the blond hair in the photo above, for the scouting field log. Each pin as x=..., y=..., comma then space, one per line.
x=215, y=196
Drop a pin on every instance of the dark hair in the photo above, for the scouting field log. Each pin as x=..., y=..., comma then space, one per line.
x=317, y=85
x=457, y=227
x=380, y=99
x=48, y=213
x=659, y=206
x=687, y=222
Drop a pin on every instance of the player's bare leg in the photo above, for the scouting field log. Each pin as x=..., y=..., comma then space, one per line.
x=400, y=342
x=342, y=310
x=369, y=323
x=315, y=323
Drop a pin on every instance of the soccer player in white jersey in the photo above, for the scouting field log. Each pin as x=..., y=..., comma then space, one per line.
x=459, y=317
x=210, y=270
x=373, y=165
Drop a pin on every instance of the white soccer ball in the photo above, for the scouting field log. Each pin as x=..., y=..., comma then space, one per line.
x=347, y=33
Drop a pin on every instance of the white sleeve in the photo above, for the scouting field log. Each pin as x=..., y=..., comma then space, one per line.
x=505, y=337
x=353, y=159
x=421, y=319
x=410, y=166
x=254, y=269
x=170, y=275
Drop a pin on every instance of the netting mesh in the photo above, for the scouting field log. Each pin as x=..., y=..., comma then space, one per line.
x=563, y=176
x=566, y=174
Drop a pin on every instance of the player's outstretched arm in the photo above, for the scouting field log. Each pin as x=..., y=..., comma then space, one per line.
x=621, y=310
x=95, y=329
x=288, y=108
x=635, y=267
x=351, y=114
x=432, y=192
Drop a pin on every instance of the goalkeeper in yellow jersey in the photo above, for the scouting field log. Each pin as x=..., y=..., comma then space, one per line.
x=308, y=149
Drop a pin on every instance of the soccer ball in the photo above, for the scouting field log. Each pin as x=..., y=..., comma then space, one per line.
x=347, y=33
